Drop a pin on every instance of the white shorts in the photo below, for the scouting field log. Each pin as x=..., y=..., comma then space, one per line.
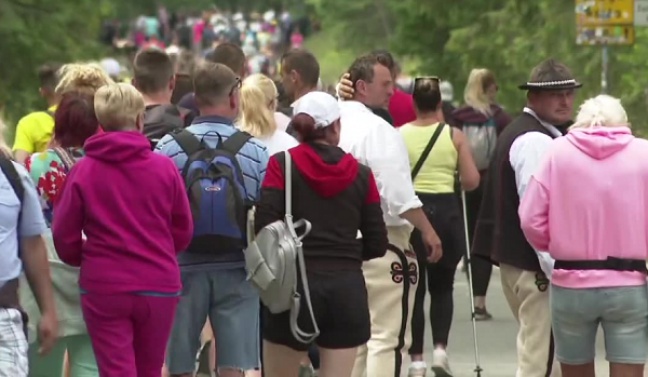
x=13, y=345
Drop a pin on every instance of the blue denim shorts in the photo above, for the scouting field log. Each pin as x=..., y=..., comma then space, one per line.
x=621, y=311
x=232, y=305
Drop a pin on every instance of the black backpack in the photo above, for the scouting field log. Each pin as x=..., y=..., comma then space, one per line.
x=161, y=120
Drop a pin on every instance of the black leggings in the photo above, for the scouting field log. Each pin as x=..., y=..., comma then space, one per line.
x=444, y=213
x=440, y=284
x=481, y=268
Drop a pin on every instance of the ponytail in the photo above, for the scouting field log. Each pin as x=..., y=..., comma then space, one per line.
x=304, y=125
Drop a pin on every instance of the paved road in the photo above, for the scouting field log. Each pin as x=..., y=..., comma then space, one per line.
x=496, y=338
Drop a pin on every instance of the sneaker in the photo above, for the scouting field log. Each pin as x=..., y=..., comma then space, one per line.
x=481, y=314
x=440, y=365
x=306, y=371
x=417, y=369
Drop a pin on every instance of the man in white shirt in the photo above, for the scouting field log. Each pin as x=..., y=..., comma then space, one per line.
x=391, y=280
x=525, y=272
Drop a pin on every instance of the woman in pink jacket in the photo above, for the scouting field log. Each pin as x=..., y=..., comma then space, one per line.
x=587, y=205
x=132, y=207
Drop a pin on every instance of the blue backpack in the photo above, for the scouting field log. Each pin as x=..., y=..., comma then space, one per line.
x=216, y=190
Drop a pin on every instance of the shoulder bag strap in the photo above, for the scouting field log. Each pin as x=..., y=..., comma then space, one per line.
x=288, y=184
x=68, y=161
x=427, y=150
x=294, y=312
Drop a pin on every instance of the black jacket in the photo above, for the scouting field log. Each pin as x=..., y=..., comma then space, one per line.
x=498, y=236
x=337, y=195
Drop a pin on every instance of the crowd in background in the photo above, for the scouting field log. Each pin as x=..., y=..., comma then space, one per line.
x=263, y=37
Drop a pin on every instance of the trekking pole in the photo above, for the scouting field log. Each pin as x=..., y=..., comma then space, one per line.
x=478, y=368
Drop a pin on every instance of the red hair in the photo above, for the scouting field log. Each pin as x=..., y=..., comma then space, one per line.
x=75, y=120
x=304, y=125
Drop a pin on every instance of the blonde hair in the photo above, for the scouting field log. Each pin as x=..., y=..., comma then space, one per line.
x=479, y=80
x=118, y=106
x=85, y=78
x=601, y=111
x=257, y=116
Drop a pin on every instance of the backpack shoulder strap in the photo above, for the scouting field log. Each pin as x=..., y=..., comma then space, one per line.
x=187, y=141
x=13, y=177
x=9, y=170
x=235, y=142
x=68, y=161
x=427, y=150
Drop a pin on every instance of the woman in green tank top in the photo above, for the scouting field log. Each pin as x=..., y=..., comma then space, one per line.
x=437, y=152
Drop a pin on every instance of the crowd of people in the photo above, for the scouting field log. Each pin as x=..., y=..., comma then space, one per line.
x=263, y=37
x=130, y=208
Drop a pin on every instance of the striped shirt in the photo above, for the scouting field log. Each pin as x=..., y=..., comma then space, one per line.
x=252, y=158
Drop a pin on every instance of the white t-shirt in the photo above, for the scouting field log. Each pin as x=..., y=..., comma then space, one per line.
x=279, y=141
x=282, y=121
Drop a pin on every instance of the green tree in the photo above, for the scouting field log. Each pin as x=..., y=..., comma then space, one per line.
x=509, y=37
x=33, y=32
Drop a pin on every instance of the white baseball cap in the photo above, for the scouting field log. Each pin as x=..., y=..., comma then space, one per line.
x=321, y=106
x=111, y=66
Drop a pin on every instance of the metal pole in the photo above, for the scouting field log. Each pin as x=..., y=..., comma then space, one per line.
x=605, y=59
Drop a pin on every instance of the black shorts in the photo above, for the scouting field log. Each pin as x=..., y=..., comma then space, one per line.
x=341, y=310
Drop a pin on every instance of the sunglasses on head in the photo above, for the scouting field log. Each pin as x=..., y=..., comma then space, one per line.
x=427, y=78
x=237, y=85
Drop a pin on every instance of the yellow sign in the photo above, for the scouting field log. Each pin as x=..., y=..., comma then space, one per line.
x=604, y=12
x=610, y=35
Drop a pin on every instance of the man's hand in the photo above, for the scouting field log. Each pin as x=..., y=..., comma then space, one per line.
x=432, y=243
x=47, y=332
x=345, y=88
x=34, y=257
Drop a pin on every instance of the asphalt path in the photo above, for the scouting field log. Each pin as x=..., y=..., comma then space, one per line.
x=495, y=338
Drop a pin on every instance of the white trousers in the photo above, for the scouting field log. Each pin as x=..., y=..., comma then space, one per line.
x=391, y=287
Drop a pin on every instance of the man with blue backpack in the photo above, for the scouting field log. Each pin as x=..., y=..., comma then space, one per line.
x=223, y=169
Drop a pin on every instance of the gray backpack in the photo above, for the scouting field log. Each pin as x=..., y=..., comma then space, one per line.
x=271, y=260
x=482, y=139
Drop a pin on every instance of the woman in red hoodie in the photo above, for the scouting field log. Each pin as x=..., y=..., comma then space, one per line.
x=339, y=197
x=131, y=205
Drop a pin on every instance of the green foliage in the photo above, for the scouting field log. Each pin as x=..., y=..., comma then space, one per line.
x=509, y=37
x=34, y=32
x=333, y=61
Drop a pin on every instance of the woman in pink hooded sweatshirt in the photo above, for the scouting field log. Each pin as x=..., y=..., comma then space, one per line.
x=587, y=205
x=131, y=205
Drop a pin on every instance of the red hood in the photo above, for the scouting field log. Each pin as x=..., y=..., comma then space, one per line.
x=327, y=170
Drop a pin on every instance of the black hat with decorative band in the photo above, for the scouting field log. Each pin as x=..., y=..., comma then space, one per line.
x=550, y=75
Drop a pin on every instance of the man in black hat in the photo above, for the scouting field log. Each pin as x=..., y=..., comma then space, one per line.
x=524, y=271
